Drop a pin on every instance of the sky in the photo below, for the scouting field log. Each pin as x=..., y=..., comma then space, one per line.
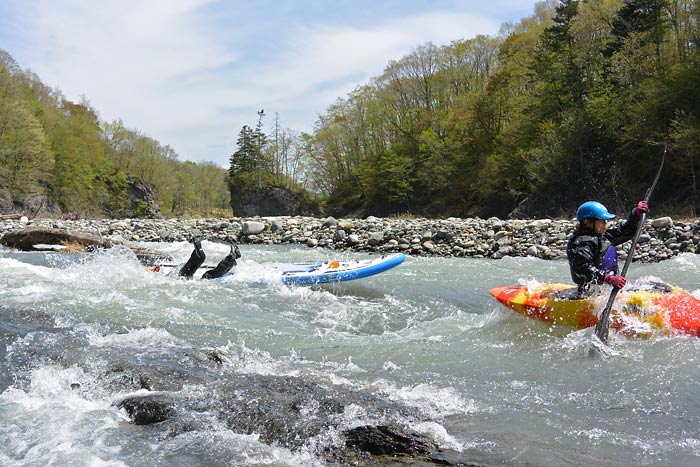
x=191, y=73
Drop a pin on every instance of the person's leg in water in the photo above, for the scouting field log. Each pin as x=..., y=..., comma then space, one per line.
x=225, y=264
x=196, y=259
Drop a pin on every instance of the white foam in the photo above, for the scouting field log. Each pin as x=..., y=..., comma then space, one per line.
x=47, y=385
x=391, y=366
x=14, y=267
x=248, y=271
x=691, y=443
x=433, y=401
x=135, y=338
x=440, y=435
x=530, y=283
x=581, y=341
x=688, y=261
x=240, y=449
x=52, y=422
x=596, y=434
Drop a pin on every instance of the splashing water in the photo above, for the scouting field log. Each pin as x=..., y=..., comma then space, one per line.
x=423, y=344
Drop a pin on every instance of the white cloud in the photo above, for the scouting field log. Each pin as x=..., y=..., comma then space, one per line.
x=339, y=55
x=165, y=68
x=126, y=57
x=321, y=64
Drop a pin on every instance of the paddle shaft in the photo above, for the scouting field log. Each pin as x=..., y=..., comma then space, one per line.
x=602, y=327
x=204, y=266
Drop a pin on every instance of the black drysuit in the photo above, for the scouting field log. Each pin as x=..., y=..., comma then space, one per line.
x=587, y=252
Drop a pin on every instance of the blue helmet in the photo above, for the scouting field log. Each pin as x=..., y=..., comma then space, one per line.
x=593, y=209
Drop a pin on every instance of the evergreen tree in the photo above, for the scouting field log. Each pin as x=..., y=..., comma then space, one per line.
x=244, y=160
x=561, y=76
x=643, y=20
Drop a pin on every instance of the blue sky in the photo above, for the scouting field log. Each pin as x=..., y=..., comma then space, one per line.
x=191, y=73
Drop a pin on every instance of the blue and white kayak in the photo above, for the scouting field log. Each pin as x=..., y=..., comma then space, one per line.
x=328, y=272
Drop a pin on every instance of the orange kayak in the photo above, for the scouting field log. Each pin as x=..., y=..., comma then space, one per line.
x=658, y=307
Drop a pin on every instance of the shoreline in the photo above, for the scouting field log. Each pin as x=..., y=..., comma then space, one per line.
x=661, y=239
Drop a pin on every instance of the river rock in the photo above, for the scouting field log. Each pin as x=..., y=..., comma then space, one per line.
x=148, y=408
x=166, y=236
x=353, y=239
x=26, y=239
x=329, y=222
x=385, y=440
x=339, y=236
x=500, y=234
x=644, y=238
x=276, y=225
x=662, y=222
x=253, y=227
x=462, y=237
x=221, y=226
x=375, y=238
x=120, y=225
x=38, y=238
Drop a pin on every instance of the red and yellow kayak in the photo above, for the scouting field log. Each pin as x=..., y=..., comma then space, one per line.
x=662, y=307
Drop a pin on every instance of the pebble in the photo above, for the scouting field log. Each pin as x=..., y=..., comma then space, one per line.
x=661, y=239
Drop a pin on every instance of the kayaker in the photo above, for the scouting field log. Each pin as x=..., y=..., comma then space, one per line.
x=197, y=259
x=591, y=251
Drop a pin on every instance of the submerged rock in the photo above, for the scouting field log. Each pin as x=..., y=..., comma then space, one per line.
x=386, y=440
x=149, y=408
x=384, y=445
x=198, y=390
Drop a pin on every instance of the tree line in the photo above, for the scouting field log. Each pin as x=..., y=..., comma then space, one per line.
x=60, y=150
x=572, y=103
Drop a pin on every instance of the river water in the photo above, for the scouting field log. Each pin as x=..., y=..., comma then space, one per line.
x=497, y=387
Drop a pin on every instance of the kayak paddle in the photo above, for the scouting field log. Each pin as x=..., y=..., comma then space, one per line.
x=602, y=327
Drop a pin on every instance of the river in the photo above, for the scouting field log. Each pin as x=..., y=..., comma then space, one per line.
x=426, y=337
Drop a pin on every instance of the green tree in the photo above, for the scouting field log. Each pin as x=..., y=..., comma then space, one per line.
x=25, y=159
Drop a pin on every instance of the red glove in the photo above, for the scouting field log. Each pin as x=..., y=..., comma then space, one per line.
x=642, y=208
x=616, y=281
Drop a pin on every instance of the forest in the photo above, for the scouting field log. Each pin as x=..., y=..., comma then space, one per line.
x=78, y=166
x=575, y=102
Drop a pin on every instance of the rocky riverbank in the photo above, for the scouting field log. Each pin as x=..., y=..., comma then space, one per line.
x=661, y=239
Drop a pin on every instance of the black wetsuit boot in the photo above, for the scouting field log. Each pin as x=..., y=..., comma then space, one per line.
x=196, y=259
x=225, y=264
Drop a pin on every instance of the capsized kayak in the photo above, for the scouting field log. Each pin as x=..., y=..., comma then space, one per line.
x=337, y=271
x=649, y=307
x=324, y=272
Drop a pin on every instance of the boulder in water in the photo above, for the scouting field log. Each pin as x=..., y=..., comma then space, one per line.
x=386, y=440
x=25, y=239
x=51, y=239
x=149, y=408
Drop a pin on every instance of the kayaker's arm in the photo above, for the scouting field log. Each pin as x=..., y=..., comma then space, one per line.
x=626, y=231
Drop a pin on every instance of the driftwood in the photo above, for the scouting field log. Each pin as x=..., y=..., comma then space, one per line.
x=10, y=217
x=47, y=239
